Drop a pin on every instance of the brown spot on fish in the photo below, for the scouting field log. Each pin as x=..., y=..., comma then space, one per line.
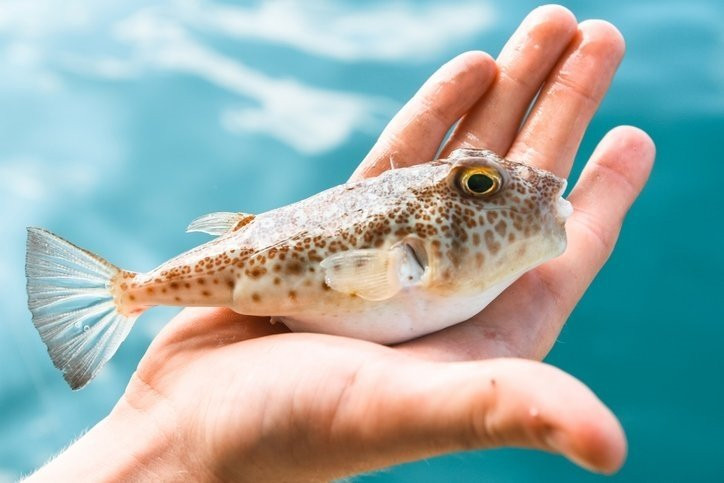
x=500, y=227
x=243, y=222
x=294, y=268
x=255, y=297
x=491, y=243
x=256, y=272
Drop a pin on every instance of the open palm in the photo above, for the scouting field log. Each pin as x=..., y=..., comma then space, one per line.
x=252, y=401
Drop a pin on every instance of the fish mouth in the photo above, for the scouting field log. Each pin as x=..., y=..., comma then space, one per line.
x=563, y=207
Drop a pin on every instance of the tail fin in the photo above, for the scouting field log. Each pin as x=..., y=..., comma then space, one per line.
x=69, y=295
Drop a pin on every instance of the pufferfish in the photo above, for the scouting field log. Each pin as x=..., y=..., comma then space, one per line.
x=386, y=259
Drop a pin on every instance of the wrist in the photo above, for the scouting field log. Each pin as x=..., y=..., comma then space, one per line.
x=129, y=444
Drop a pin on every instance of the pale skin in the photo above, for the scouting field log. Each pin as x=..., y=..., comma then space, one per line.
x=221, y=396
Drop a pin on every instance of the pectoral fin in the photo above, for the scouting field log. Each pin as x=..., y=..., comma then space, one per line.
x=372, y=274
x=365, y=273
x=219, y=222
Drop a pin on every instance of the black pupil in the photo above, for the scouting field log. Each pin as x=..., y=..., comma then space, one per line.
x=480, y=183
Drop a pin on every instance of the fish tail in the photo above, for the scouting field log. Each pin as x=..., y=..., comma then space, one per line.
x=71, y=297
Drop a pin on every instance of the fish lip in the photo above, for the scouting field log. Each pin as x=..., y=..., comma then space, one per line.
x=563, y=207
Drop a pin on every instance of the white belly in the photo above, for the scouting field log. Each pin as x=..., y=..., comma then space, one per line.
x=411, y=313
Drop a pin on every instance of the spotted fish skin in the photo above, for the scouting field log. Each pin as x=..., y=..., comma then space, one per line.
x=386, y=259
x=272, y=265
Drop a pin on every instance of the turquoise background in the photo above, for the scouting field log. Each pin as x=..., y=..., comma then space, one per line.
x=120, y=122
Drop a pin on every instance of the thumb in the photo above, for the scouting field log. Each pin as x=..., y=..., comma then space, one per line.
x=422, y=409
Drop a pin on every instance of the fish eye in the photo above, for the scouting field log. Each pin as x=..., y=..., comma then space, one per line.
x=480, y=181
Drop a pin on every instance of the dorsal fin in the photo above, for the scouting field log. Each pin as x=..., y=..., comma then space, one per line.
x=219, y=222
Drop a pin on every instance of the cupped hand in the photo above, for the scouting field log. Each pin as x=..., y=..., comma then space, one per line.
x=245, y=399
x=232, y=405
x=551, y=77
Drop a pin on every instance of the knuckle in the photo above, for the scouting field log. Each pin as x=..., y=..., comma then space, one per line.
x=599, y=235
x=583, y=90
x=336, y=415
x=484, y=430
x=524, y=151
x=434, y=115
x=520, y=82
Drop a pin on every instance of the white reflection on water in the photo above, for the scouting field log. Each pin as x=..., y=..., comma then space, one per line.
x=312, y=120
x=349, y=31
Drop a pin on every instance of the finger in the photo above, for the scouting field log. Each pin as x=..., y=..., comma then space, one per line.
x=542, y=299
x=609, y=184
x=415, y=133
x=555, y=126
x=523, y=64
x=418, y=409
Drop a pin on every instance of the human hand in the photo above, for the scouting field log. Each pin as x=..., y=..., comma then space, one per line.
x=219, y=398
x=223, y=396
x=560, y=71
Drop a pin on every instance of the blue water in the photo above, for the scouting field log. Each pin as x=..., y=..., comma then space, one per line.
x=120, y=123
